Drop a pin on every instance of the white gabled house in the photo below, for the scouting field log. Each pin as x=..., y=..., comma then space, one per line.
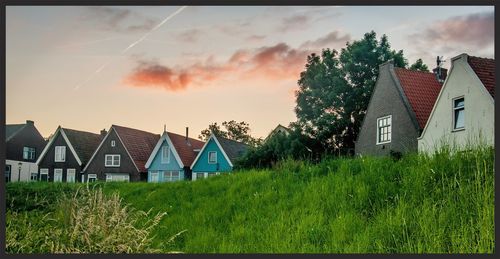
x=463, y=114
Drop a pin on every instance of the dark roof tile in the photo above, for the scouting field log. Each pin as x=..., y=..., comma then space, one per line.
x=84, y=143
x=485, y=70
x=139, y=144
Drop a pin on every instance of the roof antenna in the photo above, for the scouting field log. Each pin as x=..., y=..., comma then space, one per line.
x=164, y=127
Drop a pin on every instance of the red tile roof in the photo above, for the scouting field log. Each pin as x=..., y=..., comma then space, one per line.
x=485, y=70
x=139, y=144
x=184, y=148
x=421, y=90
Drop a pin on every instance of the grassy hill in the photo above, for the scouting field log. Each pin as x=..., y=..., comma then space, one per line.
x=419, y=204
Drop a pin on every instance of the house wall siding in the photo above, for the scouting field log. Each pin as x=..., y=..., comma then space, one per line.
x=156, y=164
x=202, y=164
x=387, y=100
x=48, y=161
x=479, y=111
x=96, y=166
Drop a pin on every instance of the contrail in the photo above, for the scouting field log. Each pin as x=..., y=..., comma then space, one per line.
x=131, y=45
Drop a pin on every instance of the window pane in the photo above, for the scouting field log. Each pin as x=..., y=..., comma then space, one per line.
x=459, y=103
x=459, y=119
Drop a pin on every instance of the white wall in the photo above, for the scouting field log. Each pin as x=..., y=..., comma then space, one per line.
x=26, y=170
x=479, y=111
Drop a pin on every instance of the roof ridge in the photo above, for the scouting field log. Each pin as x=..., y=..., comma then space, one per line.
x=239, y=142
x=80, y=131
x=173, y=133
x=492, y=59
x=411, y=70
x=156, y=134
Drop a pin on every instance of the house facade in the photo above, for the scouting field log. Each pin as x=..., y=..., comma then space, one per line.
x=463, y=114
x=66, y=154
x=171, y=158
x=398, y=110
x=216, y=156
x=23, y=145
x=121, y=155
x=280, y=129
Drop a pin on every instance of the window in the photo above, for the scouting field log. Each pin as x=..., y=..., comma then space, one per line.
x=92, y=178
x=60, y=154
x=44, y=174
x=384, y=125
x=170, y=176
x=70, y=175
x=7, y=173
x=110, y=177
x=58, y=175
x=165, y=155
x=199, y=175
x=212, y=157
x=458, y=114
x=29, y=153
x=112, y=160
x=113, y=143
x=34, y=177
x=154, y=177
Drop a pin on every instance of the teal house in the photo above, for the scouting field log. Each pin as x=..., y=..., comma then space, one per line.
x=216, y=156
x=171, y=157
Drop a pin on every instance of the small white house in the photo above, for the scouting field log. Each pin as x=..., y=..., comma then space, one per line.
x=463, y=114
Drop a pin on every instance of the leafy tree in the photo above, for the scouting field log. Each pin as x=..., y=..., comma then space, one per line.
x=334, y=90
x=238, y=131
x=419, y=66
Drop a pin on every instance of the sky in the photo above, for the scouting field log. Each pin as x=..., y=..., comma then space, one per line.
x=144, y=67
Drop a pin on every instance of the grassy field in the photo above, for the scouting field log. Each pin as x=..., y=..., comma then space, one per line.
x=419, y=204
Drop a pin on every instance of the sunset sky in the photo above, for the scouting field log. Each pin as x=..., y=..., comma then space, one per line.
x=86, y=68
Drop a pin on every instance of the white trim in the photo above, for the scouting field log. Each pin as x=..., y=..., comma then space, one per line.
x=124, y=177
x=164, y=136
x=112, y=160
x=378, y=142
x=47, y=147
x=59, y=170
x=205, y=145
x=93, y=176
x=113, y=143
x=61, y=155
x=44, y=171
x=208, y=158
x=151, y=176
x=102, y=142
x=74, y=174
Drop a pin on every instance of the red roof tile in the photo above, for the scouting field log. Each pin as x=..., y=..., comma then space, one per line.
x=421, y=90
x=184, y=148
x=485, y=70
x=139, y=144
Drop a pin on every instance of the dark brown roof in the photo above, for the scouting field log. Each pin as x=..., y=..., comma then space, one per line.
x=184, y=148
x=421, y=89
x=485, y=70
x=233, y=149
x=139, y=144
x=12, y=129
x=84, y=143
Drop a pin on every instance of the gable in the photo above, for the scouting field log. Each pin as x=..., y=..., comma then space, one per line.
x=47, y=158
x=156, y=163
x=201, y=162
x=25, y=136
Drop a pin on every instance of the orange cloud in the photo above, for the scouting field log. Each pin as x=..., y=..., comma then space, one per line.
x=278, y=62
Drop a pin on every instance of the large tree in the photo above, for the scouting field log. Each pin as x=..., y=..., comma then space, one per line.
x=238, y=131
x=419, y=66
x=334, y=90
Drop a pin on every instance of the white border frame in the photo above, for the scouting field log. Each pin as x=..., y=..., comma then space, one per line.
x=112, y=160
x=453, y=110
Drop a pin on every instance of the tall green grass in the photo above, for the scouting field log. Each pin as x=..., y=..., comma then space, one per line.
x=419, y=204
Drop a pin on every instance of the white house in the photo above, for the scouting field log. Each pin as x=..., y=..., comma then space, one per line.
x=463, y=114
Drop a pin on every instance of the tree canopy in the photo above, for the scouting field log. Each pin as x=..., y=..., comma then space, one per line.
x=238, y=131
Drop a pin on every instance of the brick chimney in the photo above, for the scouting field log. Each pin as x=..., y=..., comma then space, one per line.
x=103, y=133
x=30, y=122
x=187, y=136
x=440, y=73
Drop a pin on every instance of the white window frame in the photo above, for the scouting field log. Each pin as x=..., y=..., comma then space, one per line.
x=91, y=176
x=60, y=154
x=68, y=172
x=44, y=171
x=113, y=143
x=168, y=176
x=212, y=152
x=453, y=113
x=156, y=174
x=165, y=160
x=60, y=170
x=29, y=153
x=35, y=177
x=109, y=177
x=389, y=117
x=113, y=159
